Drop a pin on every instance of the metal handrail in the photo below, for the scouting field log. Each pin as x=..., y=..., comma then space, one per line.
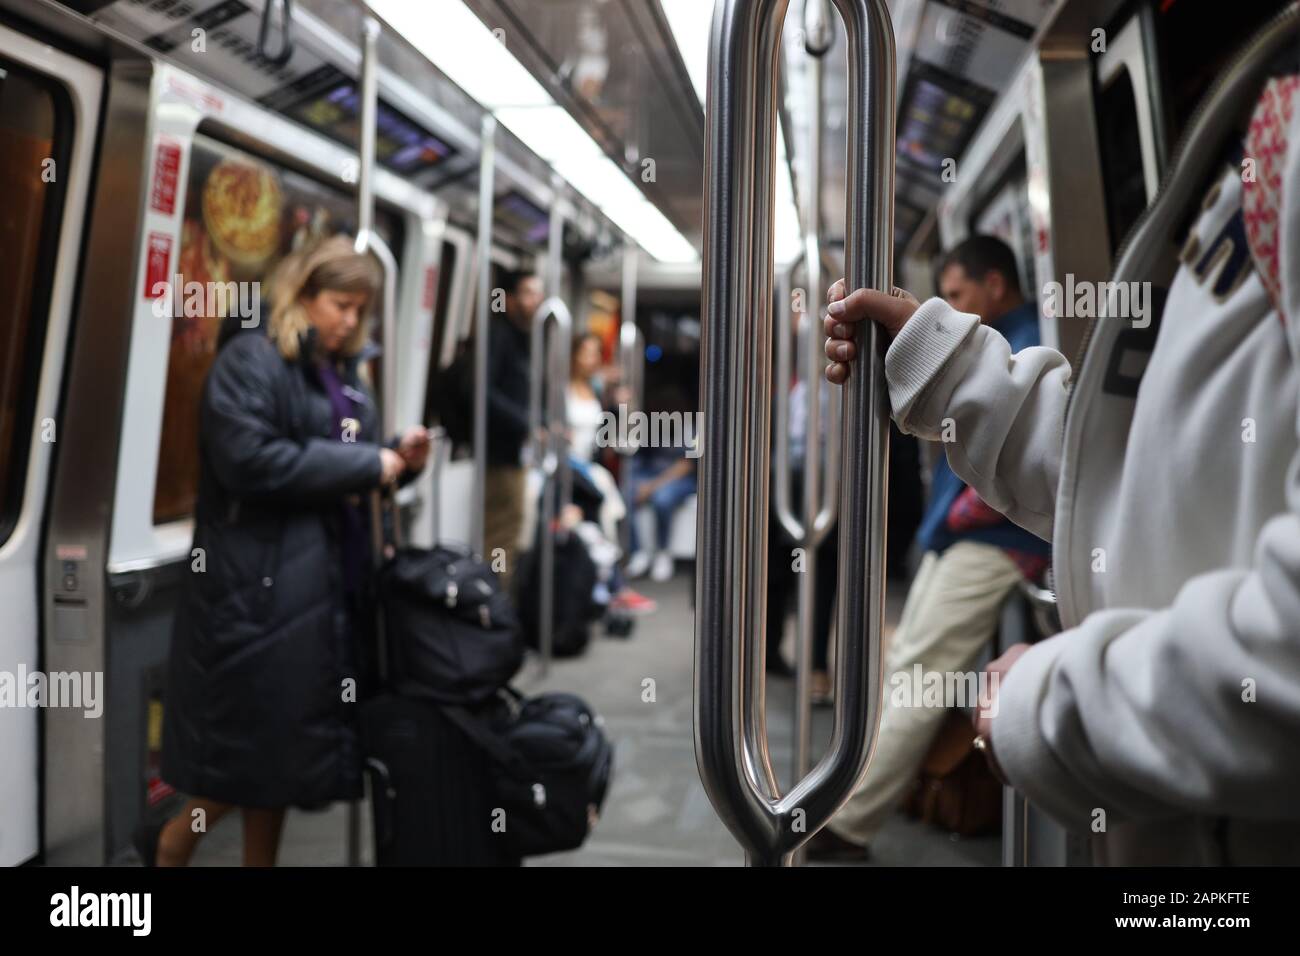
x=439, y=455
x=631, y=343
x=459, y=323
x=548, y=435
x=285, y=53
x=818, y=28
x=369, y=241
x=486, y=201
x=730, y=732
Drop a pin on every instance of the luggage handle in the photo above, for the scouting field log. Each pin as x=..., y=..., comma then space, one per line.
x=383, y=821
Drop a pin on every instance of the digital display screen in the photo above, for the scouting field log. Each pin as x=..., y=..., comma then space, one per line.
x=401, y=144
x=523, y=216
x=935, y=124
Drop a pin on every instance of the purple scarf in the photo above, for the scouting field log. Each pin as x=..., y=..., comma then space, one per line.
x=354, y=542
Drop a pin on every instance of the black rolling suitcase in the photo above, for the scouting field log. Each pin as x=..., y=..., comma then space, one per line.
x=432, y=789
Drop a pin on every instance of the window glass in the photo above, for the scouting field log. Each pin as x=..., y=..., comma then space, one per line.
x=30, y=112
x=1121, y=155
x=442, y=319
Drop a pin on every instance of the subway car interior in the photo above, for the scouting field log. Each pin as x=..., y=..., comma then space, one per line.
x=750, y=591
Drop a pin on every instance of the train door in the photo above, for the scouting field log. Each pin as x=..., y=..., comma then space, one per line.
x=230, y=189
x=49, y=107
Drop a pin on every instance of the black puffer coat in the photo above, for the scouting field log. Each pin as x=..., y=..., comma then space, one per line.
x=262, y=645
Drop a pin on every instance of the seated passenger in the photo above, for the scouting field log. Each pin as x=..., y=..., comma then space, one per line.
x=585, y=412
x=663, y=478
x=973, y=559
x=1165, y=720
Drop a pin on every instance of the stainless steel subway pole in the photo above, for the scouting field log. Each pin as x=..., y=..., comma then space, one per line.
x=558, y=368
x=631, y=353
x=486, y=201
x=736, y=391
x=369, y=241
x=549, y=356
x=631, y=365
x=819, y=505
x=439, y=453
x=548, y=417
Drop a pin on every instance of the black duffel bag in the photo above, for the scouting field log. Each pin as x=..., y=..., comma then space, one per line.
x=552, y=766
x=573, y=605
x=452, y=636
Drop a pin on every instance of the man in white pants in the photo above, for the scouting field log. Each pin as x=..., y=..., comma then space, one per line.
x=1165, y=719
x=973, y=558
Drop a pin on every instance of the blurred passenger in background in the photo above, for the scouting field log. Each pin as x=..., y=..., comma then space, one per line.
x=662, y=478
x=509, y=346
x=589, y=378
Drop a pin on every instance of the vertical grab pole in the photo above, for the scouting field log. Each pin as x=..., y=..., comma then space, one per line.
x=631, y=365
x=549, y=448
x=631, y=358
x=819, y=36
x=486, y=199
x=369, y=241
x=548, y=415
x=736, y=390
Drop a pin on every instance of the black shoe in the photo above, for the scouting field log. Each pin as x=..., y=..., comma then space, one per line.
x=826, y=846
x=145, y=841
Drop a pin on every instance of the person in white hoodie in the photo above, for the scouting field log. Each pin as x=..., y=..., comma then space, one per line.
x=1165, y=719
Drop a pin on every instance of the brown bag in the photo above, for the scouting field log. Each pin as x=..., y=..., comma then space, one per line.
x=955, y=789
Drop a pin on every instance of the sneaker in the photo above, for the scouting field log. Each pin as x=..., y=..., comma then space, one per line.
x=628, y=600
x=638, y=564
x=663, y=567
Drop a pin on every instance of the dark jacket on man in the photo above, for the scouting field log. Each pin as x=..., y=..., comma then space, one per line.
x=507, y=391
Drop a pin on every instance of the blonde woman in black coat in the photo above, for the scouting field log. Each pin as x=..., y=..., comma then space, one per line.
x=269, y=638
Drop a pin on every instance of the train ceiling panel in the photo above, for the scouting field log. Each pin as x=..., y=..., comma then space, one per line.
x=614, y=66
x=955, y=58
x=428, y=126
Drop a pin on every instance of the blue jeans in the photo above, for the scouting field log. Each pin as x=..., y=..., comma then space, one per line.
x=664, y=501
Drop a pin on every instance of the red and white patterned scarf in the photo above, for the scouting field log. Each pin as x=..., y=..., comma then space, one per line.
x=1266, y=144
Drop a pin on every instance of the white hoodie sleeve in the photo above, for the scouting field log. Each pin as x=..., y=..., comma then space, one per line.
x=1001, y=416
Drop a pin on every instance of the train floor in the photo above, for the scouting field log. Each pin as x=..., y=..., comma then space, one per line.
x=656, y=812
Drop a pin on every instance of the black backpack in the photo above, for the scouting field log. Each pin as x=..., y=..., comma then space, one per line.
x=552, y=766
x=451, y=635
x=574, y=606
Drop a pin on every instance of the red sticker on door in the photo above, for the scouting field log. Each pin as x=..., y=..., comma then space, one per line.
x=166, y=175
x=430, y=287
x=157, y=265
